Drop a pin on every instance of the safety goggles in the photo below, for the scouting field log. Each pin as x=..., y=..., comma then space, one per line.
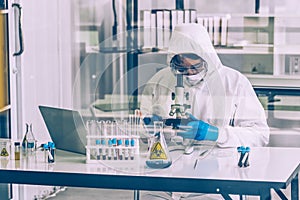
x=187, y=64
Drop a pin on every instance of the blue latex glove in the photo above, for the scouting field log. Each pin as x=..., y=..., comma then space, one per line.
x=149, y=120
x=199, y=130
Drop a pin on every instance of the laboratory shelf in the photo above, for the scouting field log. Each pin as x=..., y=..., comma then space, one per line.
x=246, y=49
x=287, y=49
x=282, y=81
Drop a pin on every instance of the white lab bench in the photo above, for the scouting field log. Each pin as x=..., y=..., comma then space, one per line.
x=280, y=91
x=216, y=172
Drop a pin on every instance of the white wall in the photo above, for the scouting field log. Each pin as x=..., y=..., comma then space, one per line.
x=46, y=65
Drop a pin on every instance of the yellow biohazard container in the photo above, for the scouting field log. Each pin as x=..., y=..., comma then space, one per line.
x=158, y=155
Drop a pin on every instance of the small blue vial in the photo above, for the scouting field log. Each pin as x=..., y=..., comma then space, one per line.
x=126, y=143
x=51, y=154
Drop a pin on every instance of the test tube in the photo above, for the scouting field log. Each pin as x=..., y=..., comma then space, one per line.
x=137, y=115
x=107, y=132
x=132, y=144
x=51, y=152
x=98, y=150
x=103, y=133
x=131, y=125
x=127, y=140
x=92, y=127
x=104, y=154
x=103, y=138
x=120, y=152
x=126, y=154
x=112, y=133
x=118, y=134
x=108, y=127
x=109, y=150
x=114, y=152
x=158, y=127
x=46, y=149
x=104, y=127
x=114, y=140
x=98, y=140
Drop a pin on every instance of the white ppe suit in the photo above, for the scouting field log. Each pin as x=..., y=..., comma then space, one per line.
x=225, y=98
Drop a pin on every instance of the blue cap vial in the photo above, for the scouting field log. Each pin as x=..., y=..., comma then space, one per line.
x=119, y=142
x=132, y=142
x=126, y=142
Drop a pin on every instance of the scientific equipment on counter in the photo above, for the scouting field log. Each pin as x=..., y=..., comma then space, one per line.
x=46, y=152
x=29, y=142
x=66, y=128
x=17, y=150
x=181, y=65
x=294, y=65
x=5, y=148
x=158, y=155
x=244, y=156
x=113, y=140
x=179, y=96
x=49, y=152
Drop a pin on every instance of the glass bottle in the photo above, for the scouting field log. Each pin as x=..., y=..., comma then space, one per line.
x=51, y=152
x=28, y=142
x=17, y=150
x=158, y=155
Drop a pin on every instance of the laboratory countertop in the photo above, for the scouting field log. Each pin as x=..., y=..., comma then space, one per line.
x=216, y=171
x=221, y=164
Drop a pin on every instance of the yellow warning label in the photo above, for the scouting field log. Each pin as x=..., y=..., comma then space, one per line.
x=4, y=152
x=157, y=152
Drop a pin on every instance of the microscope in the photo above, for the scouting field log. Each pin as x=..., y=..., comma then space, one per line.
x=180, y=97
x=178, y=109
x=183, y=65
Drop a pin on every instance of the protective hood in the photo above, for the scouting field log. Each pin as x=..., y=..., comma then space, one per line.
x=193, y=38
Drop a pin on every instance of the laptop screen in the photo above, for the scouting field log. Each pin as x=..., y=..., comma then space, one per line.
x=66, y=128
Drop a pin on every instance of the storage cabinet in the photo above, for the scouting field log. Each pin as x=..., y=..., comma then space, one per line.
x=262, y=44
x=255, y=43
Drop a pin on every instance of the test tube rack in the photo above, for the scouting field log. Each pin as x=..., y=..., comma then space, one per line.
x=111, y=149
x=112, y=141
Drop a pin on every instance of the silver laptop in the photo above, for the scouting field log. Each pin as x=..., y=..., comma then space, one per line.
x=66, y=128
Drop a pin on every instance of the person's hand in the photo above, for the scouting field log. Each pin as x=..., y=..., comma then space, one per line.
x=149, y=119
x=199, y=130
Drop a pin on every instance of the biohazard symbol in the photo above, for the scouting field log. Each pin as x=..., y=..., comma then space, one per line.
x=157, y=152
x=4, y=152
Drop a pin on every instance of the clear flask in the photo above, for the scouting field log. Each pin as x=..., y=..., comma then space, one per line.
x=158, y=155
x=28, y=142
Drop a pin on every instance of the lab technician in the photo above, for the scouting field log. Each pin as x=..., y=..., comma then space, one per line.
x=224, y=106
